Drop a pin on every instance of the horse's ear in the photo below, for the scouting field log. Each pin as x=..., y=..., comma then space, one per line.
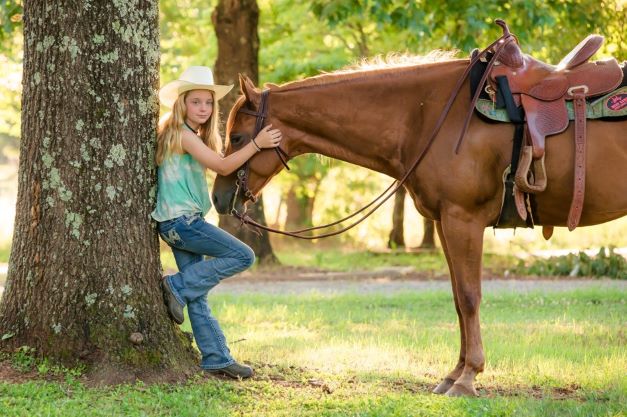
x=247, y=87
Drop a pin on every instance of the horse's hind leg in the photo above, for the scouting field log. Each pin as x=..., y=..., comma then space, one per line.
x=450, y=379
x=464, y=242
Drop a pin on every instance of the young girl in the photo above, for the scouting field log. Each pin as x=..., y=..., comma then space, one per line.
x=189, y=143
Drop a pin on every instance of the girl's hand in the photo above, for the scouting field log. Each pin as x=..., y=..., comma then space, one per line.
x=268, y=137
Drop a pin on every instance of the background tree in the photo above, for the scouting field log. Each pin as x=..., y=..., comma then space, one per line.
x=235, y=23
x=84, y=271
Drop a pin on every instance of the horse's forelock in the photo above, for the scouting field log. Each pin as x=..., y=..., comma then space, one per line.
x=239, y=103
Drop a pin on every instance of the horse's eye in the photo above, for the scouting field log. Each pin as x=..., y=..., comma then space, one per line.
x=236, y=139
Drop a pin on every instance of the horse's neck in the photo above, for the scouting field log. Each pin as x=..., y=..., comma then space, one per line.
x=373, y=121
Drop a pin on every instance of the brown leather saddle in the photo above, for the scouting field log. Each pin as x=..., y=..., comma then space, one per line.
x=543, y=90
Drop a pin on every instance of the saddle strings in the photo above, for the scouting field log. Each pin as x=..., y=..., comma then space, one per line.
x=506, y=38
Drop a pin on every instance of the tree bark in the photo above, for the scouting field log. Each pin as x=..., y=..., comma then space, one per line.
x=84, y=269
x=235, y=23
x=397, y=236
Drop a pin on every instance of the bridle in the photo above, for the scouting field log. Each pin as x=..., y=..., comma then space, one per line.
x=241, y=183
x=261, y=115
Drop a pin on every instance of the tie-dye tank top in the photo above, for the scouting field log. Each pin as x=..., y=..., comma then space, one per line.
x=182, y=188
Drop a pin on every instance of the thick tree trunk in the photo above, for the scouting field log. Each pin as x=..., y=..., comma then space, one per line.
x=84, y=269
x=235, y=23
x=397, y=236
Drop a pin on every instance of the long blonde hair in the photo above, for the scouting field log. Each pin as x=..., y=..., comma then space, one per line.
x=171, y=126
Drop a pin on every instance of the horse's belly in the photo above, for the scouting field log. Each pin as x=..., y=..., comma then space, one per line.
x=605, y=195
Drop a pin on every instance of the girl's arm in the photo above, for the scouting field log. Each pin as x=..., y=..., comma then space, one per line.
x=192, y=144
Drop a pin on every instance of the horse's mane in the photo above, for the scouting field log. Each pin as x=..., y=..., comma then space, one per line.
x=378, y=65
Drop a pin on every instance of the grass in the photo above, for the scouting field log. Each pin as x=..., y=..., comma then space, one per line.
x=555, y=354
x=431, y=262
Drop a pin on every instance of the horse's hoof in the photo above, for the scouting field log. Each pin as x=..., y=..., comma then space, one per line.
x=444, y=386
x=459, y=390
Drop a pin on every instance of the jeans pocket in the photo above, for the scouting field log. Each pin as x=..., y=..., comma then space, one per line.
x=172, y=238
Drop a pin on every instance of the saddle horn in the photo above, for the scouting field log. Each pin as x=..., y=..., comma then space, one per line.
x=503, y=25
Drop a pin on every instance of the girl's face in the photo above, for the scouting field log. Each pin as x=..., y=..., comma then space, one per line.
x=199, y=105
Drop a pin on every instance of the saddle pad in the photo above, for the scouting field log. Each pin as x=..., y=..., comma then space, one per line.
x=613, y=104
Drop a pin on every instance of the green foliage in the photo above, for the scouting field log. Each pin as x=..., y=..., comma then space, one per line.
x=606, y=263
x=10, y=20
x=545, y=29
x=294, y=44
x=24, y=358
x=187, y=36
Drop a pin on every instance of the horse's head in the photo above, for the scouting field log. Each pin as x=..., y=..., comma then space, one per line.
x=248, y=115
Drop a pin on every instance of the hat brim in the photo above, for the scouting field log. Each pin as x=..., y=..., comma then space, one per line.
x=171, y=91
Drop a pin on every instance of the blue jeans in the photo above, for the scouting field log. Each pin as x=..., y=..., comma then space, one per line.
x=191, y=237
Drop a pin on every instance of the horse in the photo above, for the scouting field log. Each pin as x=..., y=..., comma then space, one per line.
x=381, y=119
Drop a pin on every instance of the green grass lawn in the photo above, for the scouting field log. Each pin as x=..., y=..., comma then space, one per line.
x=359, y=260
x=557, y=354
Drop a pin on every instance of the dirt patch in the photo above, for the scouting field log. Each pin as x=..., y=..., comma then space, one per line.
x=300, y=378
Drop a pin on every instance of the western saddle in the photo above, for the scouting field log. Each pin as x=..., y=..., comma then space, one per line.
x=543, y=90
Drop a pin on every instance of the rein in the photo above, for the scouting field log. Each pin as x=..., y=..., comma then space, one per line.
x=261, y=115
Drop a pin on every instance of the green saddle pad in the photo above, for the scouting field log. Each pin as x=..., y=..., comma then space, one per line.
x=613, y=104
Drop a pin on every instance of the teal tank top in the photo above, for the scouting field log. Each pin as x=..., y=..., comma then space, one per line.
x=181, y=188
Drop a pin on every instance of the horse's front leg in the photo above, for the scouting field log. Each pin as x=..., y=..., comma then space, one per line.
x=463, y=234
x=450, y=379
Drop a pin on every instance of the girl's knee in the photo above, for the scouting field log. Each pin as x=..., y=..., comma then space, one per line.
x=248, y=257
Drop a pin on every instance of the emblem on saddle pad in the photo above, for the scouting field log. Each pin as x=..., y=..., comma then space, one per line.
x=617, y=102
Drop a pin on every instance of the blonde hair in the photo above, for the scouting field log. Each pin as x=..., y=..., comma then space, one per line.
x=171, y=126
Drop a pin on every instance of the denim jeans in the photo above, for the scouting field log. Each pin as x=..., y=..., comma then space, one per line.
x=190, y=237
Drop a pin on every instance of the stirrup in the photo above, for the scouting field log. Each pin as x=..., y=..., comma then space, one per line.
x=538, y=180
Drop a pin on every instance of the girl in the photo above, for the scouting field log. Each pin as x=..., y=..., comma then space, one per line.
x=188, y=143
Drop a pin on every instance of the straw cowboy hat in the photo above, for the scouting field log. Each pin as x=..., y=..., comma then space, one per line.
x=193, y=78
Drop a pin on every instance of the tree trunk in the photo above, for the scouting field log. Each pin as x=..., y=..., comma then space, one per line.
x=235, y=23
x=258, y=241
x=428, y=239
x=397, y=236
x=84, y=269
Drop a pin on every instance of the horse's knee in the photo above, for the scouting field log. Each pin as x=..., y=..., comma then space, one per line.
x=469, y=300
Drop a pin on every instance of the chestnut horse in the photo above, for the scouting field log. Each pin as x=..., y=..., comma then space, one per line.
x=381, y=118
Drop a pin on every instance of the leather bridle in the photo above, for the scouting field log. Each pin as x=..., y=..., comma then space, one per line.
x=241, y=183
x=490, y=54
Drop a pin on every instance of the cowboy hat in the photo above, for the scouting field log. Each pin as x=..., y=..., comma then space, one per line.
x=193, y=78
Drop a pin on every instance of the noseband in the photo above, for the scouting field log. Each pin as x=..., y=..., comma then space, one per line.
x=241, y=183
